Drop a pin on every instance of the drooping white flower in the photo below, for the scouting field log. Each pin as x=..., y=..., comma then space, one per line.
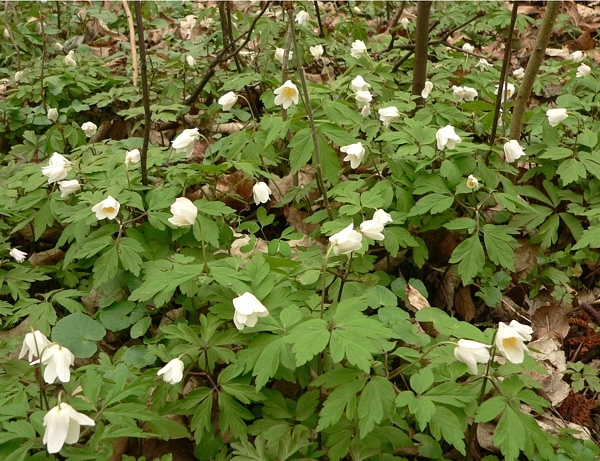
x=287, y=94
x=184, y=212
x=464, y=93
x=524, y=331
x=89, y=128
x=247, y=310
x=19, y=75
x=279, y=54
x=63, y=425
x=58, y=167
x=483, y=64
x=190, y=60
x=471, y=353
x=33, y=344
x=172, y=372
x=472, y=182
x=388, y=114
x=405, y=22
x=316, y=51
x=359, y=84
x=207, y=22
x=363, y=97
x=18, y=255
x=107, y=208
x=578, y=56
x=68, y=187
x=447, y=137
x=228, y=100
x=382, y=216
x=513, y=150
x=555, y=116
x=52, y=114
x=185, y=141
x=58, y=360
x=468, y=48
x=373, y=227
x=509, y=90
x=583, y=70
x=70, y=59
x=509, y=341
x=427, y=89
x=261, y=193
x=346, y=241
x=302, y=17
x=519, y=73
x=354, y=154
x=133, y=157
x=358, y=49
x=366, y=110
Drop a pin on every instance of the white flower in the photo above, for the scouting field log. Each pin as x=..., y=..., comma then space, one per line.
x=357, y=10
x=509, y=90
x=33, y=344
x=363, y=97
x=472, y=353
x=261, y=192
x=464, y=93
x=354, y=154
x=524, y=331
x=382, y=216
x=52, y=115
x=173, y=371
x=18, y=255
x=302, y=17
x=373, y=227
x=69, y=59
x=6, y=34
x=19, y=75
x=513, y=151
x=358, y=49
x=577, y=56
x=57, y=169
x=472, y=182
x=509, y=341
x=89, y=129
x=483, y=64
x=228, y=100
x=184, y=212
x=57, y=359
x=583, y=70
x=107, y=208
x=62, y=425
x=185, y=141
x=555, y=116
x=68, y=187
x=405, y=22
x=316, y=51
x=346, y=241
x=190, y=60
x=447, y=137
x=279, y=54
x=427, y=89
x=133, y=157
x=519, y=73
x=359, y=84
x=468, y=48
x=247, y=310
x=286, y=95
x=388, y=114
x=366, y=110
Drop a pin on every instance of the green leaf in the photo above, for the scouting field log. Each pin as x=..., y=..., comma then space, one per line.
x=432, y=203
x=510, y=435
x=445, y=425
x=106, y=266
x=471, y=258
x=302, y=147
x=78, y=333
x=308, y=339
x=232, y=416
x=376, y=400
x=129, y=253
x=570, y=171
x=422, y=380
x=489, y=409
x=268, y=361
x=43, y=219
x=589, y=239
x=499, y=245
x=343, y=397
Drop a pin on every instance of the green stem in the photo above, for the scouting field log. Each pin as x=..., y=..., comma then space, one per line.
x=325, y=261
x=400, y=370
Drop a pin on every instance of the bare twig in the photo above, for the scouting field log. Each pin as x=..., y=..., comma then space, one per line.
x=145, y=92
x=134, y=62
x=394, y=22
x=421, y=50
x=318, y=13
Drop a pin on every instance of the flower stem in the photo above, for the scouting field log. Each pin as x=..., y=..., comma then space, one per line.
x=324, y=282
x=402, y=369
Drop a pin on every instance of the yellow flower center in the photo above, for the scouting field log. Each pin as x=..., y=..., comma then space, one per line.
x=109, y=209
x=509, y=343
x=289, y=92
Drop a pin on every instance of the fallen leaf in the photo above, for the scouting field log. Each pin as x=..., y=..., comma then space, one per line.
x=464, y=305
x=416, y=299
x=550, y=320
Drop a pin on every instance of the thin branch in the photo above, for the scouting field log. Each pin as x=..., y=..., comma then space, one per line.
x=394, y=22
x=134, y=61
x=145, y=91
x=318, y=13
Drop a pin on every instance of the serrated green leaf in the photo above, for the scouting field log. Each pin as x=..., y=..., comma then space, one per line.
x=470, y=258
x=433, y=203
x=510, y=434
x=106, y=266
x=308, y=339
x=343, y=397
x=570, y=171
x=499, y=245
x=376, y=400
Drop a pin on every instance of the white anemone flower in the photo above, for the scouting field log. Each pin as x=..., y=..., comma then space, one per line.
x=346, y=241
x=185, y=141
x=471, y=353
x=107, y=208
x=261, y=193
x=388, y=114
x=247, y=311
x=33, y=344
x=354, y=154
x=184, y=212
x=63, y=425
x=57, y=169
x=555, y=116
x=287, y=94
x=509, y=341
x=358, y=49
x=447, y=137
x=513, y=151
x=172, y=372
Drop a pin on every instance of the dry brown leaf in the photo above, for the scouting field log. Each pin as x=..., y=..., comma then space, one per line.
x=553, y=359
x=550, y=320
x=464, y=305
x=416, y=299
x=46, y=258
x=558, y=53
x=296, y=217
x=526, y=258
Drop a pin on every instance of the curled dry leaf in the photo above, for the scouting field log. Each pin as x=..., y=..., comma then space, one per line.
x=550, y=320
x=552, y=358
x=416, y=299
